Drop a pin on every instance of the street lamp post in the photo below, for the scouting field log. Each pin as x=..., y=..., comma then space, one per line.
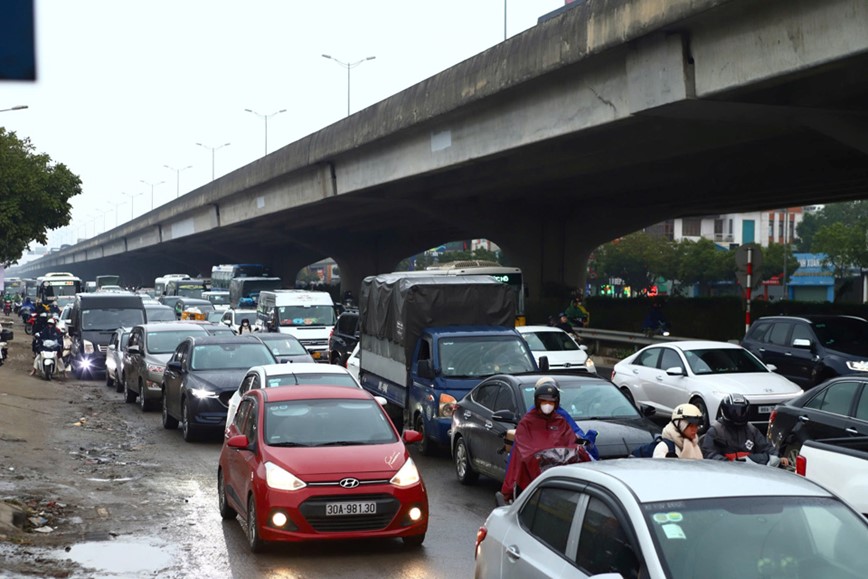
x=15, y=108
x=213, y=149
x=151, y=185
x=178, y=178
x=132, y=196
x=265, y=118
x=349, y=66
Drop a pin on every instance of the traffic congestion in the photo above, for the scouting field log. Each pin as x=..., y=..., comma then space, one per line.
x=313, y=451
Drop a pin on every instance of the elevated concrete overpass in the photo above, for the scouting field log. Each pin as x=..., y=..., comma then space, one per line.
x=612, y=116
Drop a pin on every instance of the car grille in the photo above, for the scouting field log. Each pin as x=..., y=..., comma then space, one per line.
x=314, y=343
x=314, y=511
x=102, y=349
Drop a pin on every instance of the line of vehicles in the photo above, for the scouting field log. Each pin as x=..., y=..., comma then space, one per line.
x=452, y=371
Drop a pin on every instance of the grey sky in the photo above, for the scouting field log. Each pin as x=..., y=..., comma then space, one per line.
x=127, y=86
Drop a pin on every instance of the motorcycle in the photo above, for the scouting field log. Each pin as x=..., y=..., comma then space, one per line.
x=29, y=323
x=47, y=358
x=7, y=307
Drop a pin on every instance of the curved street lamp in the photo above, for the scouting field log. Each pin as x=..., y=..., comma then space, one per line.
x=349, y=66
x=178, y=177
x=213, y=149
x=151, y=185
x=265, y=118
x=15, y=108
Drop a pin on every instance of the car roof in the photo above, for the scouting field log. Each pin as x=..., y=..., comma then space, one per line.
x=652, y=480
x=531, y=379
x=529, y=329
x=274, y=336
x=158, y=306
x=195, y=301
x=288, y=393
x=699, y=345
x=225, y=339
x=170, y=326
x=813, y=318
x=300, y=368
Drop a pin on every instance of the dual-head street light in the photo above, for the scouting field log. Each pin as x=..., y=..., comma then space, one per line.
x=349, y=66
x=265, y=118
x=213, y=149
x=178, y=177
x=151, y=185
x=15, y=108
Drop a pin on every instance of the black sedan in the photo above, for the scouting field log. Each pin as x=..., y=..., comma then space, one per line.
x=201, y=377
x=594, y=402
x=838, y=408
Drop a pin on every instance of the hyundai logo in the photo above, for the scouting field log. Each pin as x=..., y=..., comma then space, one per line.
x=349, y=483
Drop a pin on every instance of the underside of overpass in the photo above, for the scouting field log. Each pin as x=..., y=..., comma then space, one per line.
x=795, y=140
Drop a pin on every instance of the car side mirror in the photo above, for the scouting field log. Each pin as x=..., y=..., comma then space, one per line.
x=411, y=436
x=802, y=343
x=112, y=347
x=425, y=370
x=381, y=401
x=544, y=363
x=134, y=350
x=238, y=441
x=647, y=410
x=675, y=371
x=771, y=367
x=172, y=365
x=583, y=347
x=505, y=416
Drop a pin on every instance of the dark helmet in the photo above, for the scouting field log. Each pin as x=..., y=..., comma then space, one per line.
x=735, y=408
x=547, y=389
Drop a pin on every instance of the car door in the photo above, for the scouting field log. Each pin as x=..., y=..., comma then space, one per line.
x=670, y=390
x=475, y=415
x=494, y=430
x=173, y=379
x=238, y=472
x=829, y=414
x=801, y=362
x=860, y=416
x=133, y=360
x=646, y=376
x=539, y=543
x=778, y=349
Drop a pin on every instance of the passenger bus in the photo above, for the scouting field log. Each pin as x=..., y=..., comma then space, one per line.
x=511, y=276
x=160, y=282
x=221, y=275
x=54, y=285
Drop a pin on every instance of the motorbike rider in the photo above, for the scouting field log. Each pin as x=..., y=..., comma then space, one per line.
x=67, y=347
x=576, y=312
x=49, y=332
x=655, y=321
x=683, y=431
x=564, y=323
x=545, y=426
x=733, y=438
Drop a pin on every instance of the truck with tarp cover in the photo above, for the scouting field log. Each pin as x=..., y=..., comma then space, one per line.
x=427, y=341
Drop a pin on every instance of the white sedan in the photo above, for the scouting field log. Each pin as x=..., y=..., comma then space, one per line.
x=558, y=346
x=702, y=373
x=290, y=375
x=661, y=518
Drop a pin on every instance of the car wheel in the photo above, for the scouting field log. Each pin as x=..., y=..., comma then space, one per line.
x=191, y=433
x=254, y=541
x=628, y=395
x=144, y=403
x=227, y=512
x=414, y=540
x=463, y=469
x=129, y=395
x=109, y=379
x=791, y=453
x=706, y=421
x=169, y=422
x=426, y=447
x=76, y=373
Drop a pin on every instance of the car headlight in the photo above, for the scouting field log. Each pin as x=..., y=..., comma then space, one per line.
x=154, y=369
x=202, y=393
x=88, y=347
x=407, y=476
x=281, y=479
x=589, y=365
x=858, y=365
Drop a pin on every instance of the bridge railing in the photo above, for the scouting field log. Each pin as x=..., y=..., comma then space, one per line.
x=601, y=342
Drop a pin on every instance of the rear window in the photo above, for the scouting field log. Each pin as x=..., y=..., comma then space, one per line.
x=166, y=342
x=110, y=319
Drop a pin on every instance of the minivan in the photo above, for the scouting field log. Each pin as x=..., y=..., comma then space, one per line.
x=308, y=315
x=93, y=320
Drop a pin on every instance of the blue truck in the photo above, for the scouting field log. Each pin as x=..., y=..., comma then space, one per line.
x=425, y=342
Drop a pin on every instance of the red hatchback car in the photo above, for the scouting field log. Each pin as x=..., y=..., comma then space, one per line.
x=319, y=462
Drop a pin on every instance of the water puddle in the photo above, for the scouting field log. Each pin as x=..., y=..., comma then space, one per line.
x=120, y=559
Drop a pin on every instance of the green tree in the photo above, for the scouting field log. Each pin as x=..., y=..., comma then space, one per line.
x=639, y=259
x=773, y=261
x=852, y=214
x=34, y=196
x=844, y=246
x=703, y=262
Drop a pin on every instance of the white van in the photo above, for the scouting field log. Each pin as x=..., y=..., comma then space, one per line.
x=309, y=316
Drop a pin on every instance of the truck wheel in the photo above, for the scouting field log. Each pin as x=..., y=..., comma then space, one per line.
x=426, y=447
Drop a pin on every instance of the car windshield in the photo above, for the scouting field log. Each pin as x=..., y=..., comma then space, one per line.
x=588, y=399
x=550, y=341
x=215, y=316
x=249, y=316
x=160, y=314
x=190, y=290
x=329, y=422
x=306, y=315
x=285, y=347
x=219, y=299
x=125, y=337
x=110, y=319
x=329, y=379
x=842, y=333
x=759, y=537
x=166, y=342
x=477, y=357
x=229, y=356
x=723, y=361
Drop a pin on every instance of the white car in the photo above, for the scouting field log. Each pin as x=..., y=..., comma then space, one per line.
x=291, y=375
x=662, y=518
x=702, y=373
x=233, y=317
x=353, y=364
x=563, y=352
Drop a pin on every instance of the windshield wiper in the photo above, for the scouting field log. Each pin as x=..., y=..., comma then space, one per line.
x=341, y=443
x=288, y=444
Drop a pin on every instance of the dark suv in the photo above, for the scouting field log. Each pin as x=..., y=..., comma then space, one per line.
x=344, y=337
x=810, y=349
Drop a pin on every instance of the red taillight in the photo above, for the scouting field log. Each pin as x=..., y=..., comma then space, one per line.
x=480, y=536
x=801, y=465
